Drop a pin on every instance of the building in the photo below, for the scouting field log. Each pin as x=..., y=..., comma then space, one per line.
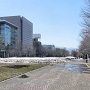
x=24, y=34
x=37, y=45
x=49, y=47
x=36, y=37
x=8, y=38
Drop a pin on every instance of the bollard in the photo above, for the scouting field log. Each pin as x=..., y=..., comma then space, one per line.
x=86, y=61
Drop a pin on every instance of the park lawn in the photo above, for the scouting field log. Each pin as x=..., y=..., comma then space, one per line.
x=9, y=71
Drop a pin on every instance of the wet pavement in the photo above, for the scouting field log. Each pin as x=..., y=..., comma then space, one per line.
x=77, y=68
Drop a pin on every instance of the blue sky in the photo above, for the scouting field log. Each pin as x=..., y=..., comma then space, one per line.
x=58, y=21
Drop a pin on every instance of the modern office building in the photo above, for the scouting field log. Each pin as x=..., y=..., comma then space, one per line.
x=8, y=38
x=49, y=47
x=24, y=34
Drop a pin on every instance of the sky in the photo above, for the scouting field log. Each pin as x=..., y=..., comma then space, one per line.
x=58, y=21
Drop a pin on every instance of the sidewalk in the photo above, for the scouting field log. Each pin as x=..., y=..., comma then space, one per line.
x=49, y=78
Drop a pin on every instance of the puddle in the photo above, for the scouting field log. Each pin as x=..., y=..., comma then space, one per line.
x=77, y=68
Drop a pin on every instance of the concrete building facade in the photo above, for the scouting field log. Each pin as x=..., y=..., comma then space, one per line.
x=24, y=34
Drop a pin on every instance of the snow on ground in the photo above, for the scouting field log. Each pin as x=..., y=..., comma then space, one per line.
x=32, y=60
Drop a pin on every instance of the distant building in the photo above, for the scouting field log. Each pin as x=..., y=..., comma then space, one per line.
x=36, y=37
x=37, y=44
x=22, y=29
x=49, y=47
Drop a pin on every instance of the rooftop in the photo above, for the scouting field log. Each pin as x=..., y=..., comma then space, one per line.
x=6, y=22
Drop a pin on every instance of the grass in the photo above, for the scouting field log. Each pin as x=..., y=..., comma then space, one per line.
x=9, y=71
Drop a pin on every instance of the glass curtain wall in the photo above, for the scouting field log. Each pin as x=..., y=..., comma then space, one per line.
x=8, y=35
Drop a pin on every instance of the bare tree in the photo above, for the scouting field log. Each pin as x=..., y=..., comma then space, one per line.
x=74, y=53
x=84, y=47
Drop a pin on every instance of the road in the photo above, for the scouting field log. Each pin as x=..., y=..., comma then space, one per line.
x=56, y=77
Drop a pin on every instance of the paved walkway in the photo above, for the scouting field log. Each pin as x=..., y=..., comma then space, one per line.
x=49, y=78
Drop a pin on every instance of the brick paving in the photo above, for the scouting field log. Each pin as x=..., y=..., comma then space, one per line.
x=49, y=78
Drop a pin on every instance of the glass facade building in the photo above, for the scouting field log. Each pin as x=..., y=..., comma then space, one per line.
x=24, y=34
x=8, y=34
x=5, y=33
